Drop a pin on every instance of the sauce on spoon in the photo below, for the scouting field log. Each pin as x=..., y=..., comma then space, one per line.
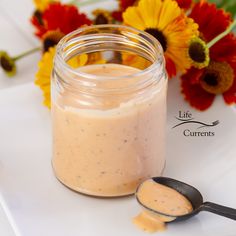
x=162, y=204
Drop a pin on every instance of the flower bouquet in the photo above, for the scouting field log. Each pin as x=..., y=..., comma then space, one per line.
x=196, y=36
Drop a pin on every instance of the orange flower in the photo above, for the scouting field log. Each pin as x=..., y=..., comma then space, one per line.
x=200, y=87
x=185, y=4
x=211, y=21
x=60, y=17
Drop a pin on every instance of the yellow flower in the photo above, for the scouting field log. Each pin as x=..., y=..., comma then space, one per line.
x=165, y=20
x=45, y=67
x=135, y=61
x=41, y=5
x=86, y=59
x=78, y=61
x=43, y=76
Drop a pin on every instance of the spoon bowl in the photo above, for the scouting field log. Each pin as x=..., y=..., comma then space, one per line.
x=194, y=197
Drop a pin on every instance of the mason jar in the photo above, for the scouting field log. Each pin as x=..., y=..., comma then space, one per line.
x=109, y=88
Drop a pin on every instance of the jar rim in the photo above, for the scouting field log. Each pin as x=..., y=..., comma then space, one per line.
x=158, y=62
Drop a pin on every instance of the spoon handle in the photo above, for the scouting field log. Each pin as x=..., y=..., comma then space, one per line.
x=219, y=210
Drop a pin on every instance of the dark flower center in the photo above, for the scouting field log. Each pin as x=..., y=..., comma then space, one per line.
x=159, y=36
x=211, y=79
x=217, y=78
x=197, y=52
x=6, y=64
x=47, y=43
x=38, y=16
x=50, y=39
x=101, y=19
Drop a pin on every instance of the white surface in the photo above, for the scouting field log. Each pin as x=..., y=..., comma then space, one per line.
x=40, y=205
x=17, y=37
x=6, y=228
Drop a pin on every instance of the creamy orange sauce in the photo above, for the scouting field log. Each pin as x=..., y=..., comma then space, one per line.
x=149, y=222
x=163, y=200
x=110, y=150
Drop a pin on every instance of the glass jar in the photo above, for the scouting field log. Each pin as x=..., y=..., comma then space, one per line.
x=109, y=90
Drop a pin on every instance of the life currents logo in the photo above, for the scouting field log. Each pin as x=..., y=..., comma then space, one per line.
x=193, y=127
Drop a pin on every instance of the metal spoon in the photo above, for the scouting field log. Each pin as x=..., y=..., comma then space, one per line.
x=194, y=196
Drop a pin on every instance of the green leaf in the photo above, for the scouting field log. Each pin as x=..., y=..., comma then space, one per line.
x=232, y=8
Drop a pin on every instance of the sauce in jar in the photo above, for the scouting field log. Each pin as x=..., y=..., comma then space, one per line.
x=110, y=151
x=108, y=110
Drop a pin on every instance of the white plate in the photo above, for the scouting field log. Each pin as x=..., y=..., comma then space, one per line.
x=38, y=205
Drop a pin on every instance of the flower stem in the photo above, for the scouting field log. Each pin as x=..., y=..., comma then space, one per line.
x=222, y=35
x=84, y=3
x=24, y=54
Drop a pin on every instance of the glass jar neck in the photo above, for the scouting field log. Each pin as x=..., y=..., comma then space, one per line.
x=106, y=39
